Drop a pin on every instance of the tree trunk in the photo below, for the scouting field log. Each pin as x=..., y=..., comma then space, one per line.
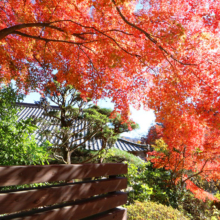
x=64, y=152
x=104, y=144
x=69, y=157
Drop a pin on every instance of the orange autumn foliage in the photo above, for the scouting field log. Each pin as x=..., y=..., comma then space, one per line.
x=187, y=160
x=154, y=133
x=163, y=54
x=198, y=192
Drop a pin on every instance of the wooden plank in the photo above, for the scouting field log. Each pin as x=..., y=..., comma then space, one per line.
x=17, y=175
x=42, y=196
x=116, y=214
x=74, y=210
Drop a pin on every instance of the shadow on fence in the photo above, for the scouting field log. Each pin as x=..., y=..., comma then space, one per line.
x=91, y=199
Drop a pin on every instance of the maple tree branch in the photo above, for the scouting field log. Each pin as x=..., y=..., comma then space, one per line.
x=43, y=67
x=116, y=30
x=196, y=173
x=24, y=3
x=88, y=49
x=14, y=30
x=61, y=30
x=51, y=40
x=91, y=28
x=119, y=45
x=102, y=34
x=199, y=77
x=52, y=13
x=148, y=36
x=6, y=31
x=90, y=62
x=178, y=74
x=174, y=70
x=45, y=49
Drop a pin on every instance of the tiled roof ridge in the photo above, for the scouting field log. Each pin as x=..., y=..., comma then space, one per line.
x=130, y=142
x=33, y=105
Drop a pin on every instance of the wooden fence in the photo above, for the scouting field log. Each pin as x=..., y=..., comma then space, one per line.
x=63, y=201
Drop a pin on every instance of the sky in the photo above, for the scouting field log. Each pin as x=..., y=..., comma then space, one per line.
x=144, y=118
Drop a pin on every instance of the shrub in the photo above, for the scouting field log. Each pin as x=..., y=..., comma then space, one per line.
x=198, y=209
x=152, y=210
x=146, y=183
x=116, y=155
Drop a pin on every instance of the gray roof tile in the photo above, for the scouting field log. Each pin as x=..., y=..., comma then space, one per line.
x=28, y=110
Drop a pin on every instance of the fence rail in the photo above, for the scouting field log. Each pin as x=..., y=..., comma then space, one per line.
x=96, y=199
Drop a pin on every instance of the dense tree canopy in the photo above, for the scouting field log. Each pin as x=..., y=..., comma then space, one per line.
x=112, y=48
x=164, y=54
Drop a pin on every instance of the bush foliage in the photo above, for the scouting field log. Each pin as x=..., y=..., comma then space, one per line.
x=147, y=183
x=197, y=209
x=18, y=146
x=116, y=155
x=151, y=211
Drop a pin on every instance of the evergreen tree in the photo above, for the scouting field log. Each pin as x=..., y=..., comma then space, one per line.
x=76, y=121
